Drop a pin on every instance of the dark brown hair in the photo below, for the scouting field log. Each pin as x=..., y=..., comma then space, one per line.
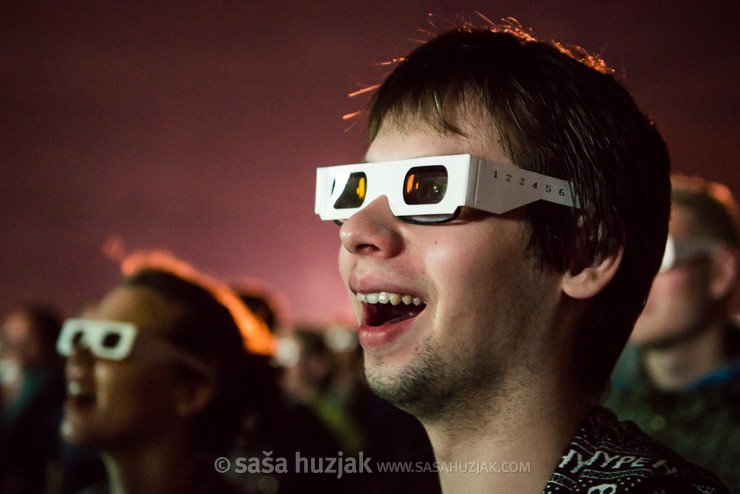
x=563, y=114
x=205, y=328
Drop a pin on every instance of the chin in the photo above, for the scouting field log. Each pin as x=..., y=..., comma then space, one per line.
x=78, y=432
x=645, y=334
x=75, y=436
x=411, y=387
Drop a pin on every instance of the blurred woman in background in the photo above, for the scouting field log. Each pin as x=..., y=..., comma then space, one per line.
x=160, y=374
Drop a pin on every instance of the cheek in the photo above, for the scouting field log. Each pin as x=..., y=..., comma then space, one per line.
x=470, y=278
x=676, y=298
x=486, y=280
x=659, y=292
x=477, y=261
x=673, y=288
x=346, y=261
x=132, y=389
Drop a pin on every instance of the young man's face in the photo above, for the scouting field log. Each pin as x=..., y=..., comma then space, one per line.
x=486, y=307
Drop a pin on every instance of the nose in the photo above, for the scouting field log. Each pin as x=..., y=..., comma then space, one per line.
x=80, y=358
x=372, y=231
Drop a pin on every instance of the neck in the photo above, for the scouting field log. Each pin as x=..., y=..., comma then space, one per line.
x=516, y=448
x=674, y=367
x=165, y=467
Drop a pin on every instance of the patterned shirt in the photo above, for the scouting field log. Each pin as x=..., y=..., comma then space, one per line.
x=611, y=457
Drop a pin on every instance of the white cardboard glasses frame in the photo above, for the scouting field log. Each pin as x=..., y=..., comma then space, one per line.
x=471, y=181
x=114, y=340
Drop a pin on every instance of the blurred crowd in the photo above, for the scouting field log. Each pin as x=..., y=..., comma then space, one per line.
x=146, y=388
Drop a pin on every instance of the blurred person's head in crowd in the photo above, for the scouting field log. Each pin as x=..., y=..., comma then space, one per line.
x=691, y=300
x=28, y=333
x=31, y=395
x=164, y=362
x=308, y=363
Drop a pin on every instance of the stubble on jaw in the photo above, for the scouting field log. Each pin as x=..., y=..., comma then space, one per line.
x=439, y=392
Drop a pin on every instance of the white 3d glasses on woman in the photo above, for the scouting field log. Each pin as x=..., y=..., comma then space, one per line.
x=114, y=340
x=433, y=189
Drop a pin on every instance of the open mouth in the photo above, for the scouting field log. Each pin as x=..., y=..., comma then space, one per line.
x=78, y=396
x=381, y=308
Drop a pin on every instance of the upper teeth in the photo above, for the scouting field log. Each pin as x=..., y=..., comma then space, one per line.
x=385, y=297
x=74, y=389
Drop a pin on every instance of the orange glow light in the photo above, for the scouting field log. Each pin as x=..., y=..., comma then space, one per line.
x=256, y=336
x=361, y=188
x=410, y=183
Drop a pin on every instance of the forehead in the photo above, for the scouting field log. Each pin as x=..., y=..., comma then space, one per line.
x=413, y=138
x=139, y=305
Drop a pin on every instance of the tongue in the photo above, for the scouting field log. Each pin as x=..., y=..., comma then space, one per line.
x=380, y=314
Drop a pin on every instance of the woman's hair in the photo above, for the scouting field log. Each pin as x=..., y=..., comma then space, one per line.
x=200, y=324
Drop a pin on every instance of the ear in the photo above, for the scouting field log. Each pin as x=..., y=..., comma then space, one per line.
x=724, y=273
x=193, y=395
x=588, y=281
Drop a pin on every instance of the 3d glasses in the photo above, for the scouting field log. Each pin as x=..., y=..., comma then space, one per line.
x=679, y=251
x=114, y=340
x=111, y=340
x=433, y=189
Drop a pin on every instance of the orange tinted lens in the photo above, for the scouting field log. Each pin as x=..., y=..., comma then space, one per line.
x=354, y=191
x=425, y=185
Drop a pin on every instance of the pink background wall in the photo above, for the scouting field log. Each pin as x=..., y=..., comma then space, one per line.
x=196, y=129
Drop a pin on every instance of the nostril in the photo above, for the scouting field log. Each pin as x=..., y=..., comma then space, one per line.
x=372, y=231
x=367, y=247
